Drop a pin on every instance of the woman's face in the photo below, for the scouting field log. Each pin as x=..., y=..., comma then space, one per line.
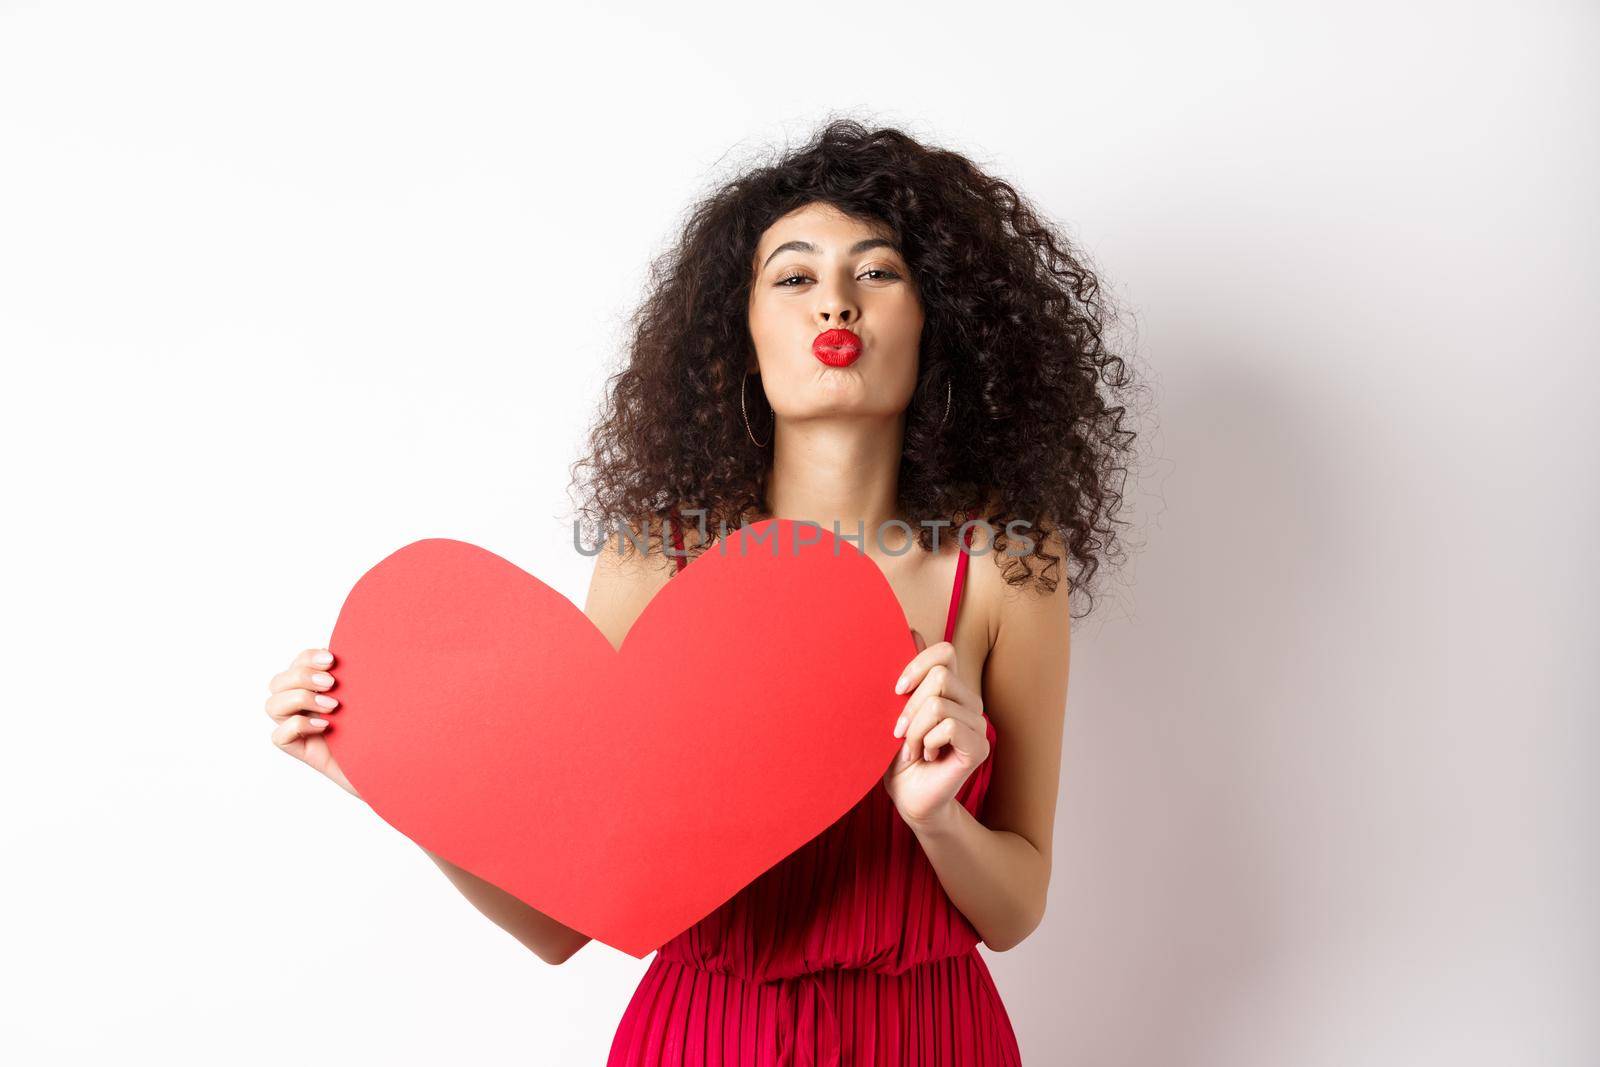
x=841, y=279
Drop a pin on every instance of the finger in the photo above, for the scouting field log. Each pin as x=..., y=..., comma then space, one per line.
x=944, y=652
x=296, y=727
x=282, y=705
x=941, y=681
x=300, y=675
x=300, y=679
x=945, y=680
x=309, y=659
x=315, y=658
x=947, y=732
x=311, y=678
x=933, y=712
x=931, y=686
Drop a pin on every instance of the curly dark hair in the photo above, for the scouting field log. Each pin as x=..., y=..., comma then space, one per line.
x=1013, y=321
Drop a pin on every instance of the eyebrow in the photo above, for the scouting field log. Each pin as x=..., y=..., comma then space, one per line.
x=856, y=249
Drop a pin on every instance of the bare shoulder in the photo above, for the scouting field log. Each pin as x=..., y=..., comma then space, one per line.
x=1006, y=602
x=1028, y=609
x=628, y=573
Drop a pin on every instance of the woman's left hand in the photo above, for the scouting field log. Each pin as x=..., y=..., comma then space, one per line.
x=945, y=736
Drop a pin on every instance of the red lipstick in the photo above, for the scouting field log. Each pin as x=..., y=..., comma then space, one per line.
x=836, y=348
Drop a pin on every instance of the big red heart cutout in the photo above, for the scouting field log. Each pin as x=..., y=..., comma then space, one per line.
x=626, y=793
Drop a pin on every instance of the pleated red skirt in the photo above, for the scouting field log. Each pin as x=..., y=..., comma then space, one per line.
x=847, y=953
x=945, y=1012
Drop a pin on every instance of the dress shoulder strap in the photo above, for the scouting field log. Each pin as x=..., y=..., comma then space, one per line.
x=960, y=583
x=677, y=541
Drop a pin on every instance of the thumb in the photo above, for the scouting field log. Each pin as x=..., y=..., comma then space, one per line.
x=915, y=636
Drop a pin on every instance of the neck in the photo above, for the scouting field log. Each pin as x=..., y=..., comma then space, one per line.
x=844, y=470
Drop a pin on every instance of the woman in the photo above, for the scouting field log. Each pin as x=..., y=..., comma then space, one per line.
x=862, y=331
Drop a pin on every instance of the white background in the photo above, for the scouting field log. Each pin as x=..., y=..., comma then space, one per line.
x=285, y=286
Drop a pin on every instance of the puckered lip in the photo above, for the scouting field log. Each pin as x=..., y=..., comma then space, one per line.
x=837, y=338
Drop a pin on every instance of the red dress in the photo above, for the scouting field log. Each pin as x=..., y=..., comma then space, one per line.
x=848, y=952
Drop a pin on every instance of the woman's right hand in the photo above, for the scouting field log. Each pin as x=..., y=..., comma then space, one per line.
x=299, y=705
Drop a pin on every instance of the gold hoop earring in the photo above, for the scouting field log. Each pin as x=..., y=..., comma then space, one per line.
x=759, y=444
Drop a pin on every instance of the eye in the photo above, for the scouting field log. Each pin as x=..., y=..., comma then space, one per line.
x=783, y=283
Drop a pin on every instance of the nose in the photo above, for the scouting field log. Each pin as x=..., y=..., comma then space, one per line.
x=837, y=312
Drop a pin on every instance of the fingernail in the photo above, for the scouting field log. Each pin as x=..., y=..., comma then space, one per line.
x=327, y=701
x=321, y=679
x=900, y=726
x=318, y=723
x=322, y=659
x=900, y=686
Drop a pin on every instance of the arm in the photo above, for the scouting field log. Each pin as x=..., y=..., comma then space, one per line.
x=619, y=590
x=998, y=874
x=551, y=941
